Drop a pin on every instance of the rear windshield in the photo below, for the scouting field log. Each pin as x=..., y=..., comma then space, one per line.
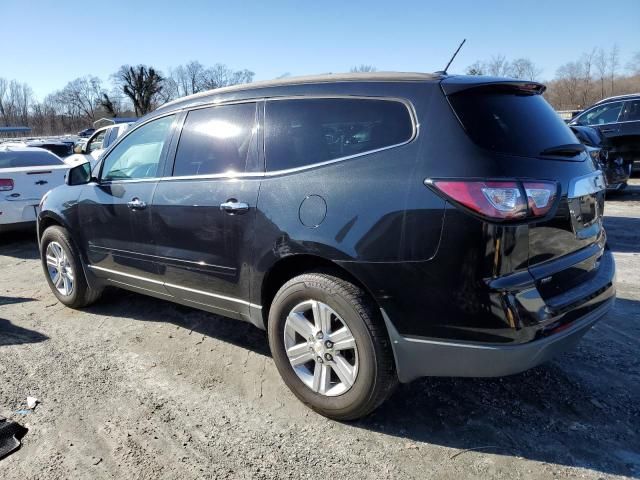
x=34, y=158
x=510, y=121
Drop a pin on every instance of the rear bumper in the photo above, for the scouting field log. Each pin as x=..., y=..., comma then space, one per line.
x=18, y=211
x=430, y=358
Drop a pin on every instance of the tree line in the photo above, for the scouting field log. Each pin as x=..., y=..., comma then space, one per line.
x=597, y=74
x=133, y=91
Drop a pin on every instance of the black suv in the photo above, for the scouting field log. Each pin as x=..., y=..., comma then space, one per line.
x=618, y=118
x=380, y=227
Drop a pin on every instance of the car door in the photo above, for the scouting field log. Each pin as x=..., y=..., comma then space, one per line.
x=630, y=131
x=114, y=210
x=604, y=117
x=203, y=214
x=95, y=144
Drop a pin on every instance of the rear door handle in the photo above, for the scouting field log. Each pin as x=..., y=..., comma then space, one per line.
x=234, y=207
x=608, y=130
x=136, y=204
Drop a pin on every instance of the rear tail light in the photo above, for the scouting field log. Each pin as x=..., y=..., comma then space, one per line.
x=540, y=196
x=508, y=200
x=6, y=184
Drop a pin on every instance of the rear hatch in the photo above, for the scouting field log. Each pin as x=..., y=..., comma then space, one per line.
x=26, y=174
x=511, y=122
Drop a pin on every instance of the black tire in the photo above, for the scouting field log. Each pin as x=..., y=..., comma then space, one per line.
x=82, y=294
x=376, y=378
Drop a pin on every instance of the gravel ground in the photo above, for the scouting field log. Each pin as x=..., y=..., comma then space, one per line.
x=135, y=387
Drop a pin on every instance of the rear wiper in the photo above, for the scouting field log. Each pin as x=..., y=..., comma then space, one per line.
x=568, y=150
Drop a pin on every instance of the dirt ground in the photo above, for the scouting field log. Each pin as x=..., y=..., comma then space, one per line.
x=135, y=387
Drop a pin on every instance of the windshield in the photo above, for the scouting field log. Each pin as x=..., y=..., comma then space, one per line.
x=510, y=121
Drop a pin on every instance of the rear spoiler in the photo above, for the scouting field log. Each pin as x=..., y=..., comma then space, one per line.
x=451, y=85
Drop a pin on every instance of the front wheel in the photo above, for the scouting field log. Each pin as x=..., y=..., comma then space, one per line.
x=330, y=346
x=63, y=270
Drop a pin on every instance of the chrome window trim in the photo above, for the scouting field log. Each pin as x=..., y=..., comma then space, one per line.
x=171, y=285
x=408, y=104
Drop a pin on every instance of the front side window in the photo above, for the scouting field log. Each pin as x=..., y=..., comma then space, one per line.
x=631, y=111
x=306, y=131
x=139, y=154
x=216, y=140
x=607, y=113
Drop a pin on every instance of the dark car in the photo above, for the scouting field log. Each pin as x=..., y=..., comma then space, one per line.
x=618, y=118
x=380, y=227
x=615, y=169
x=87, y=132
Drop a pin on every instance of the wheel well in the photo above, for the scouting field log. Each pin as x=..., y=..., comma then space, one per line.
x=45, y=223
x=294, y=265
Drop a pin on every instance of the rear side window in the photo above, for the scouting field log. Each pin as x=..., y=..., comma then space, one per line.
x=216, y=140
x=35, y=158
x=631, y=112
x=307, y=131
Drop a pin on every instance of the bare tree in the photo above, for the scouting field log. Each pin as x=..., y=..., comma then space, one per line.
x=498, y=66
x=222, y=76
x=587, y=63
x=476, y=68
x=84, y=94
x=363, y=68
x=141, y=84
x=524, y=69
x=601, y=63
x=186, y=79
x=568, y=81
x=614, y=63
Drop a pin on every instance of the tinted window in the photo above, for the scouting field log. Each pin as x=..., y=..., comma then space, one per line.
x=216, y=140
x=138, y=155
x=304, y=132
x=34, y=158
x=631, y=111
x=510, y=121
x=607, y=113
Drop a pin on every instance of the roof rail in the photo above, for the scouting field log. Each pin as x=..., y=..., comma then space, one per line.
x=617, y=97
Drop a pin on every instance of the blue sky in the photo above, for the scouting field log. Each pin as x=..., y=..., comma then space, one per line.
x=64, y=39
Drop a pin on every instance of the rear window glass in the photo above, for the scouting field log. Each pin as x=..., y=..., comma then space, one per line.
x=509, y=121
x=34, y=158
x=307, y=131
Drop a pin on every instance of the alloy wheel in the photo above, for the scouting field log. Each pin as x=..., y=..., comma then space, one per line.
x=321, y=348
x=59, y=268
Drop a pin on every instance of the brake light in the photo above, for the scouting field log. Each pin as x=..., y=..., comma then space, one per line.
x=6, y=184
x=500, y=200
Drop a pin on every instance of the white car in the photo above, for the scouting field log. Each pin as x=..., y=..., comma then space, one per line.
x=26, y=174
x=99, y=141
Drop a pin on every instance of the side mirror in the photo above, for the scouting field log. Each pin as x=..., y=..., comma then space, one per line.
x=80, y=148
x=79, y=175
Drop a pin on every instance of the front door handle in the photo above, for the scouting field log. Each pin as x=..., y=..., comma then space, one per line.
x=234, y=207
x=608, y=130
x=136, y=204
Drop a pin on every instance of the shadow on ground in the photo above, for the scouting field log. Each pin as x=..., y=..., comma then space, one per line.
x=548, y=414
x=11, y=334
x=623, y=234
x=20, y=244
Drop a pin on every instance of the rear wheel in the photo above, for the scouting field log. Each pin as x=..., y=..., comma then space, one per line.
x=330, y=347
x=63, y=270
